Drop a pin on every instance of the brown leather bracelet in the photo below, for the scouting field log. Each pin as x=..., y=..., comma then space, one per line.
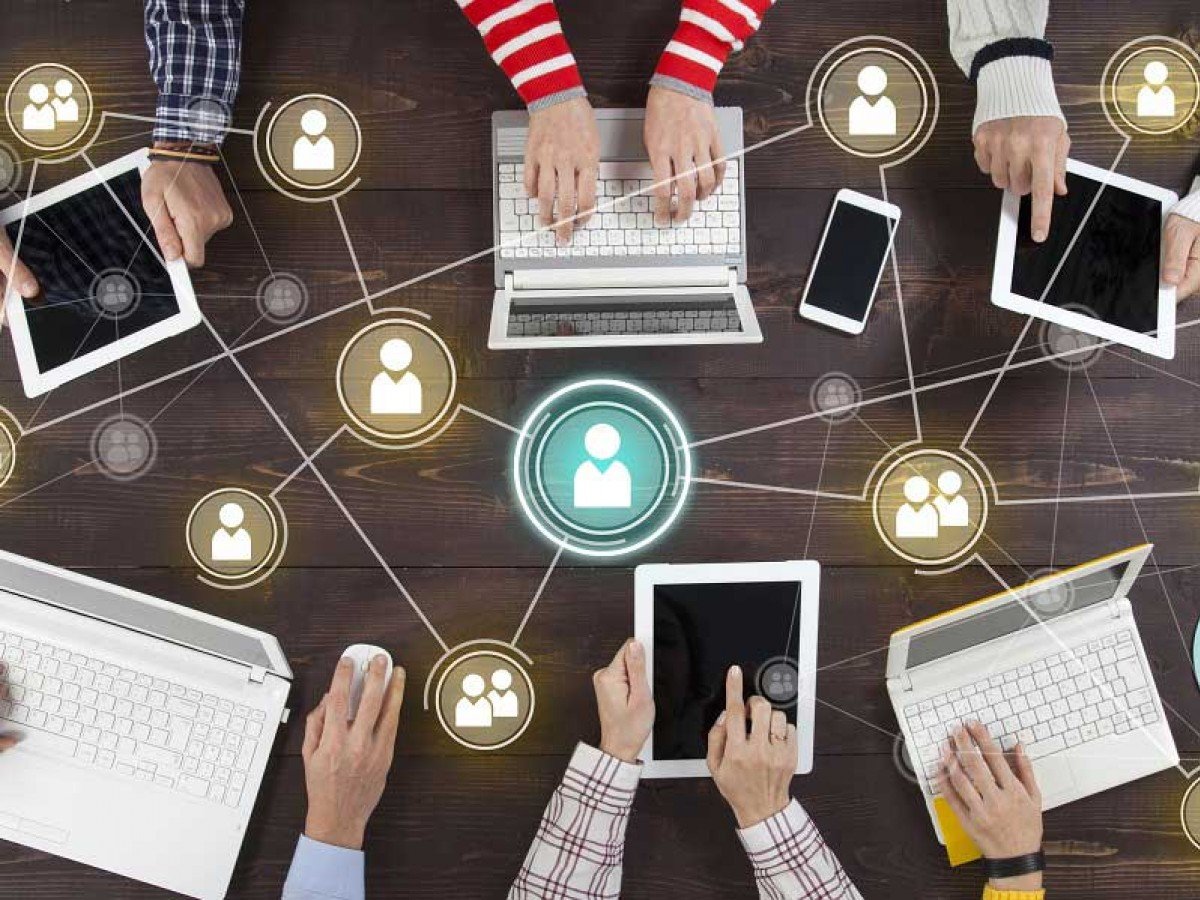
x=186, y=151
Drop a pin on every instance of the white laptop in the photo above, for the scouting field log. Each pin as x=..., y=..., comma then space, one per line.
x=621, y=281
x=145, y=727
x=1056, y=664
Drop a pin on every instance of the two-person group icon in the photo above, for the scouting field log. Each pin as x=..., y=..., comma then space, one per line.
x=44, y=113
x=921, y=517
x=475, y=710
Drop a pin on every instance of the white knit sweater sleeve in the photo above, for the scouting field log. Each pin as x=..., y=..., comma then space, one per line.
x=1013, y=85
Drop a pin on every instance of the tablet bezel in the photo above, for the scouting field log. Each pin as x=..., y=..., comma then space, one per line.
x=1160, y=343
x=806, y=572
x=37, y=382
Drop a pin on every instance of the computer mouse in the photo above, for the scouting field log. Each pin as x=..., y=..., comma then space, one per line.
x=362, y=654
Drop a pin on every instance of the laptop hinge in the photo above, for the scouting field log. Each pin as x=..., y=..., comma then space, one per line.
x=906, y=681
x=258, y=675
x=588, y=279
x=1114, y=607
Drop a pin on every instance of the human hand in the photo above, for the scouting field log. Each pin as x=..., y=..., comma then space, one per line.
x=23, y=279
x=186, y=207
x=752, y=771
x=625, y=703
x=7, y=741
x=995, y=797
x=1181, y=256
x=682, y=139
x=346, y=763
x=1027, y=154
x=562, y=158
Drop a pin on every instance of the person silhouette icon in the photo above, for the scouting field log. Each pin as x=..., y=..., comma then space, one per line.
x=313, y=150
x=872, y=114
x=231, y=542
x=953, y=509
x=38, y=114
x=504, y=700
x=611, y=488
x=1156, y=98
x=66, y=107
x=918, y=518
x=473, y=710
x=396, y=391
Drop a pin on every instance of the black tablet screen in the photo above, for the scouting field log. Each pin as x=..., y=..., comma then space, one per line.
x=700, y=630
x=1109, y=257
x=75, y=248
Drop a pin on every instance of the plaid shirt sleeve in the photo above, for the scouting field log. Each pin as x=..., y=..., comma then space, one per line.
x=195, y=53
x=791, y=860
x=580, y=844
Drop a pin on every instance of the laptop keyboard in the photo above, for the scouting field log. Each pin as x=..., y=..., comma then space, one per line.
x=114, y=718
x=625, y=227
x=1063, y=701
x=686, y=317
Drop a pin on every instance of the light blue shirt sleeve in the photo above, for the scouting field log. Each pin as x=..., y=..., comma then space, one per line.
x=323, y=872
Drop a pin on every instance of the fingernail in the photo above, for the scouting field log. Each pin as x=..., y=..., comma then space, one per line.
x=735, y=671
x=721, y=718
x=29, y=288
x=635, y=649
x=345, y=662
x=1039, y=234
x=379, y=662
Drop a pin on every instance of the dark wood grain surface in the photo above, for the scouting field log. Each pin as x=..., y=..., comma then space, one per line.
x=454, y=824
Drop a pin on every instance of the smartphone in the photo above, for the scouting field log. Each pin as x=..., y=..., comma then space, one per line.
x=850, y=258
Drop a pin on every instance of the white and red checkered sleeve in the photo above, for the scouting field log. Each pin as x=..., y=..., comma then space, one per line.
x=579, y=848
x=526, y=40
x=791, y=860
x=709, y=30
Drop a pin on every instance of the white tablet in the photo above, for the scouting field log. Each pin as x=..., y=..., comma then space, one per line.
x=1098, y=270
x=696, y=621
x=105, y=290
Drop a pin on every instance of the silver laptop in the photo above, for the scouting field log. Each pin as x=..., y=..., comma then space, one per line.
x=1056, y=664
x=145, y=727
x=622, y=281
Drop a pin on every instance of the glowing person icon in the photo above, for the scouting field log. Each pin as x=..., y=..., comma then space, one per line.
x=38, y=114
x=610, y=488
x=953, y=510
x=872, y=114
x=473, y=710
x=1156, y=98
x=66, y=107
x=918, y=518
x=396, y=391
x=504, y=700
x=314, y=150
x=231, y=542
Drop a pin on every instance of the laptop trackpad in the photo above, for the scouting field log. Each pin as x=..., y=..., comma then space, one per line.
x=1055, y=779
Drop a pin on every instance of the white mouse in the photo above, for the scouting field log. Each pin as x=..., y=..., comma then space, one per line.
x=361, y=655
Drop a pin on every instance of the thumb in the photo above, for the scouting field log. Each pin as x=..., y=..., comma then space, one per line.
x=716, y=745
x=12, y=269
x=155, y=202
x=635, y=662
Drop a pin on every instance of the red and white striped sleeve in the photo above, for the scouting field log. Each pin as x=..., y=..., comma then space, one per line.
x=709, y=30
x=526, y=40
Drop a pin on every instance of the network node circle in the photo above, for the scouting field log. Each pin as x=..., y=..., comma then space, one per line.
x=835, y=397
x=124, y=447
x=930, y=506
x=1189, y=813
x=49, y=107
x=236, y=537
x=875, y=97
x=397, y=383
x=1068, y=349
x=313, y=142
x=115, y=294
x=778, y=681
x=901, y=760
x=484, y=698
x=1052, y=599
x=208, y=119
x=10, y=168
x=602, y=467
x=8, y=446
x=282, y=298
x=1151, y=86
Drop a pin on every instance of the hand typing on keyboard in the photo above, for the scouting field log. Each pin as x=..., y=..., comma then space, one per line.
x=995, y=797
x=562, y=158
x=346, y=763
x=7, y=741
x=682, y=140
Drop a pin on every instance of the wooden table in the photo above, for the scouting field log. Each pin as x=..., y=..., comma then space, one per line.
x=456, y=824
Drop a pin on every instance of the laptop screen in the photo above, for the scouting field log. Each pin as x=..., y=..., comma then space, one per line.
x=1042, y=604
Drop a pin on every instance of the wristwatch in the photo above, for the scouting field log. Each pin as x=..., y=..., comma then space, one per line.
x=1015, y=866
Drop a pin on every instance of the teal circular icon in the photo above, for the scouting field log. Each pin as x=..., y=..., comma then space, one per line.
x=602, y=467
